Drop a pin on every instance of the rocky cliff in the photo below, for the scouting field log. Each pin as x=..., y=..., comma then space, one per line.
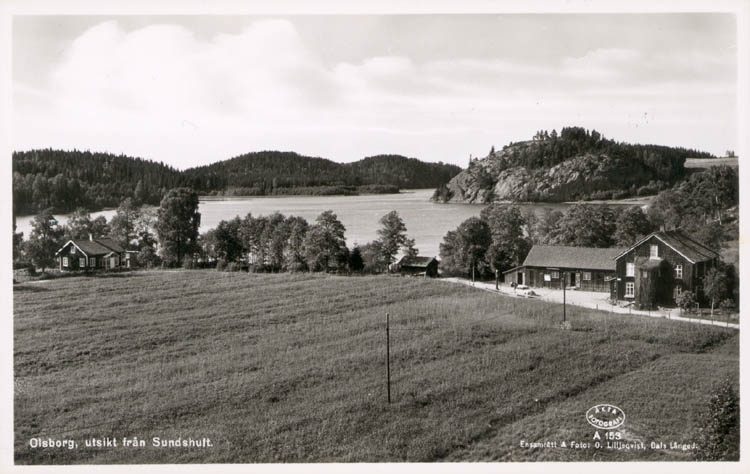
x=576, y=166
x=577, y=178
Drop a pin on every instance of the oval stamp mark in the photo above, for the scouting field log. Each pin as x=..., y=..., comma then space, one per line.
x=605, y=416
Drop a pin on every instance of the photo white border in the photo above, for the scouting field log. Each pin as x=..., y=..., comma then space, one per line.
x=8, y=8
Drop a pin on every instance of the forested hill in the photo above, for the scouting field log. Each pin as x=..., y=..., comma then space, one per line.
x=403, y=172
x=66, y=180
x=266, y=171
x=572, y=165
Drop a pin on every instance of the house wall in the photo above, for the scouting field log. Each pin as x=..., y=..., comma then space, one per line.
x=534, y=277
x=73, y=256
x=431, y=270
x=691, y=274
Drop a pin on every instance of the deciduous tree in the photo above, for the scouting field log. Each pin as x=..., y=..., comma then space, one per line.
x=465, y=249
x=325, y=245
x=509, y=244
x=586, y=225
x=44, y=241
x=177, y=225
x=124, y=224
x=80, y=226
x=631, y=225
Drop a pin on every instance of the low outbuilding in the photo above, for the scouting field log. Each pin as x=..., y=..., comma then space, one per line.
x=552, y=266
x=417, y=266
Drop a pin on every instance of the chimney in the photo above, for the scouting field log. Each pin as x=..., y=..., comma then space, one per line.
x=91, y=237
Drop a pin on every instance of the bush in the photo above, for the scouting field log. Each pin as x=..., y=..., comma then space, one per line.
x=719, y=435
x=296, y=266
x=601, y=195
x=233, y=267
x=148, y=258
x=620, y=194
x=727, y=305
x=221, y=265
x=188, y=264
x=686, y=301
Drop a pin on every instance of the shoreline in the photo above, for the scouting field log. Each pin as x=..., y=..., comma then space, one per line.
x=209, y=197
x=635, y=201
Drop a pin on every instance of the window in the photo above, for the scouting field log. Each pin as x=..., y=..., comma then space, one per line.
x=678, y=271
x=654, y=251
x=92, y=262
x=644, y=274
x=629, y=289
x=72, y=249
x=65, y=261
x=677, y=291
x=82, y=262
x=630, y=269
x=555, y=275
x=587, y=276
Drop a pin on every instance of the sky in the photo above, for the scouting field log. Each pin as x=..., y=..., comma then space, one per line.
x=192, y=90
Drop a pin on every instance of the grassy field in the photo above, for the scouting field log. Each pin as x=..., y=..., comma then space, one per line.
x=291, y=368
x=704, y=163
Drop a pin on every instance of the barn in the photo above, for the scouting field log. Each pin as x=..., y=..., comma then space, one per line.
x=92, y=254
x=659, y=267
x=551, y=266
x=418, y=266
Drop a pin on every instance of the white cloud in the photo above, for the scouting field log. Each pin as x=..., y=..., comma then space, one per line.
x=164, y=93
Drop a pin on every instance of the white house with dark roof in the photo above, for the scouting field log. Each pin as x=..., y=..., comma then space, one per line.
x=103, y=253
x=552, y=266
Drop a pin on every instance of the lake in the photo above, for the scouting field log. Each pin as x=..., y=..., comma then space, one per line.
x=426, y=221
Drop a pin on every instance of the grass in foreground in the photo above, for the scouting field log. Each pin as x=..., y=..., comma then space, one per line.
x=291, y=368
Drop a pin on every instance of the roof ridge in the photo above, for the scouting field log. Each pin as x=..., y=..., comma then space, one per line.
x=685, y=234
x=686, y=240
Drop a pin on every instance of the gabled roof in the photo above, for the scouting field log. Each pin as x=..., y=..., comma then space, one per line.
x=110, y=243
x=416, y=261
x=96, y=247
x=587, y=258
x=678, y=241
x=510, y=270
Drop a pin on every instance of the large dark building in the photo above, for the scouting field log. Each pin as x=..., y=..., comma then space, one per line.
x=551, y=266
x=659, y=267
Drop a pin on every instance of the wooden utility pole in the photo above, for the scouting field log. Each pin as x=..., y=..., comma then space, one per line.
x=564, y=278
x=388, y=354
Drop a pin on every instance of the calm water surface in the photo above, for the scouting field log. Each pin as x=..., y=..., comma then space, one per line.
x=426, y=222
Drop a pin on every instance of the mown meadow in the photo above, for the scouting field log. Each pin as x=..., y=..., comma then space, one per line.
x=291, y=368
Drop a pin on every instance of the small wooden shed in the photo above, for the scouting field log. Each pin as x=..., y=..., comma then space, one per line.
x=418, y=266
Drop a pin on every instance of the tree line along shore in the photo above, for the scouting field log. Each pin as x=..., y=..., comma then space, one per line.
x=64, y=181
x=498, y=239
